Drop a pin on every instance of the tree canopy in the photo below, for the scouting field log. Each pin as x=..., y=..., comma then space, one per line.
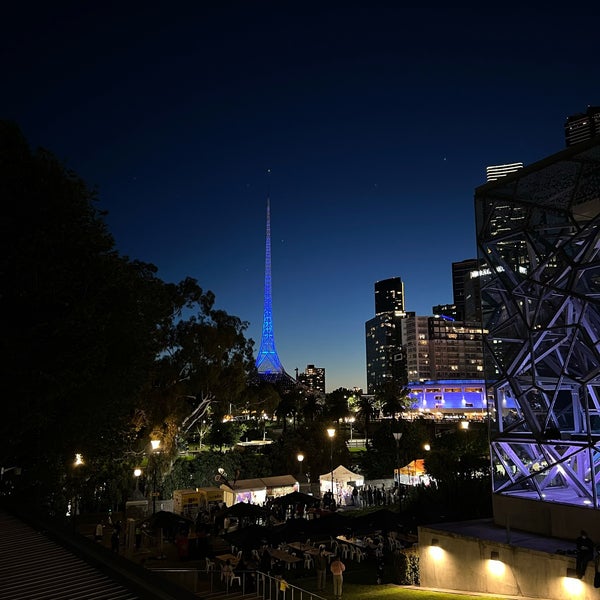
x=100, y=352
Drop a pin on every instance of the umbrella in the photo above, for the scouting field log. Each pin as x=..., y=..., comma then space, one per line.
x=164, y=519
x=382, y=519
x=245, y=510
x=296, y=498
x=326, y=525
x=252, y=536
x=170, y=521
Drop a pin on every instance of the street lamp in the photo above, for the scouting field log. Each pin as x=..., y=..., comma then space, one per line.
x=155, y=443
x=136, y=473
x=300, y=459
x=331, y=434
x=397, y=437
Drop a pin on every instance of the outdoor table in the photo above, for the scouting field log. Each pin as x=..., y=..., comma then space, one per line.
x=308, y=549
x=284, y=556
x=359, y=543
x=232, y=558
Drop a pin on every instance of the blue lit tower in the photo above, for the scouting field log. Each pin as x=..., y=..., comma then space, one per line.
x=267, y=361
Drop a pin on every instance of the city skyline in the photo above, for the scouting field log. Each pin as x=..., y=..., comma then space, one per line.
x=369, y=129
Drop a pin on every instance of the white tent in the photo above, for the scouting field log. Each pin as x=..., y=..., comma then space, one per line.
x=342, y=478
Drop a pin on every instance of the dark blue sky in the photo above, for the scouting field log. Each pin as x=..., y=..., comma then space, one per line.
x=376, y=120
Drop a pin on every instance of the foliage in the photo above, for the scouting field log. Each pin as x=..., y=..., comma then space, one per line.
x=82, y=332
x=365, y=413
x=224, y=433
x=103, y=353
x=459, y=455
x=392, y=398
x=406, y=566
x=337, y=404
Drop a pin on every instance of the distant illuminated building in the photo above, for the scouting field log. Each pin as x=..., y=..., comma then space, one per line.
x=439, y=347
x=582, y=126
x=496, y=171
x=450, y=398
x=386, y=361
x=313, y=378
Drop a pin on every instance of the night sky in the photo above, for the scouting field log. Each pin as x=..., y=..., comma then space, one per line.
x=376, y=121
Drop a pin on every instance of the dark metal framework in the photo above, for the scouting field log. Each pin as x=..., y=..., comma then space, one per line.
x=538, y=235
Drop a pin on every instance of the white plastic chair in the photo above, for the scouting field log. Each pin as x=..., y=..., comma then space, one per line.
x=345, y=550
x=359, y=555
x=210, y=564
x=308, y=561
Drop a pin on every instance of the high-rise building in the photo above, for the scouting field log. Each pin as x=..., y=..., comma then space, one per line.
x=539, y=235
x=465, y=289
x=313, y=378
x=415, y=333
x=389, y=296
x=267, y=361
x=386, y=361
x=441, y=348
x=582, y=126
x=496, y=171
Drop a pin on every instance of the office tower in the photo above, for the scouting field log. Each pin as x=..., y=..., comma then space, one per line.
x=389, y=296
x=496, y=171
x=582, y=126
x=539, y=235
x=386, y=361
x=465, y=289
x=313, y=378
x=267, y=361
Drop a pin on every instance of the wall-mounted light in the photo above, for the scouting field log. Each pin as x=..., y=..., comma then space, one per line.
x=495, y=555
x=571, y=573
x=435, y=542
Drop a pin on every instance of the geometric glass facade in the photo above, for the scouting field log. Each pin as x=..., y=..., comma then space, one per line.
x=538, y=237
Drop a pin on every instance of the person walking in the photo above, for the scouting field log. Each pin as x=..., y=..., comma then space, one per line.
x=337, y=569
x=321, y=568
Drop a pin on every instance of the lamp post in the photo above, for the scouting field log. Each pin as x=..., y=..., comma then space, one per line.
x=155, y=443
x=300, y=458
x=331, y=434
x=397, y=437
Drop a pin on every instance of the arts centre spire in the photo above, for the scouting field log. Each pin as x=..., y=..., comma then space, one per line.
x=267, y=361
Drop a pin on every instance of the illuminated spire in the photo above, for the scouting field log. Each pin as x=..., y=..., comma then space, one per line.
x=267, y=361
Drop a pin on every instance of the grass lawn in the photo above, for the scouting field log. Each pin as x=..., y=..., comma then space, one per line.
x=360, y=584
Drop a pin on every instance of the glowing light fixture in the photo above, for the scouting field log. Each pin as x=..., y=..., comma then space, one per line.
x=494, y=555
x=435, y=542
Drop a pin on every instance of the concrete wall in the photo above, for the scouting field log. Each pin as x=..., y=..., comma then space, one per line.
x=550, y=519
x=463, y=564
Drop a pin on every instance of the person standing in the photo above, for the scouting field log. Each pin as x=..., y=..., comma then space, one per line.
x=114, y=541
x=337, y=569
x=99, y=534
x=138, y=536
x=321, y=568
x=584, y=553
